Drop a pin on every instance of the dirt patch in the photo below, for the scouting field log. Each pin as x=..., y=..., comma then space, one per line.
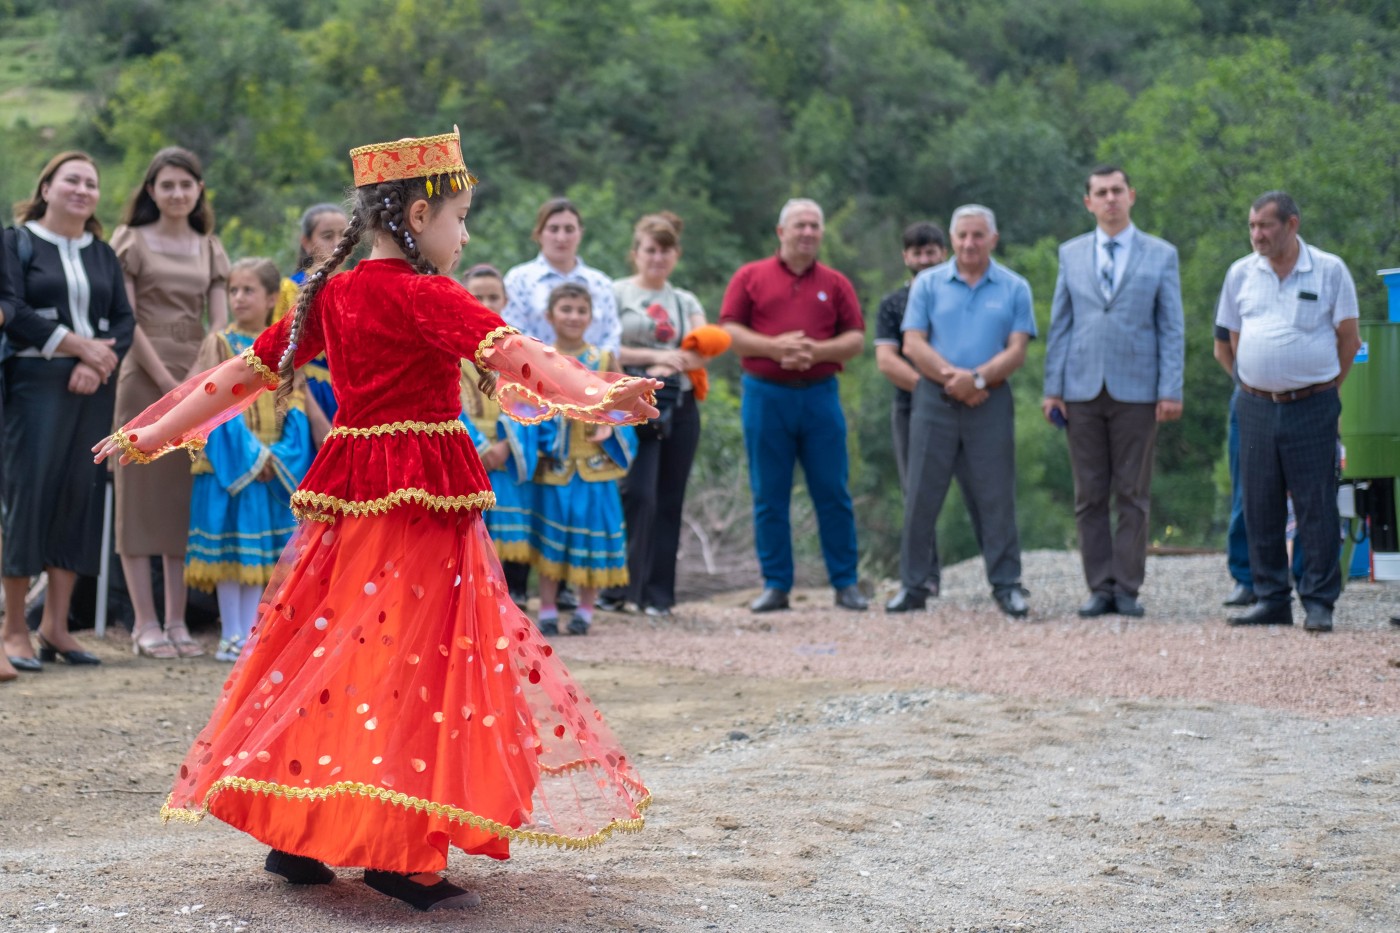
x=814, y=770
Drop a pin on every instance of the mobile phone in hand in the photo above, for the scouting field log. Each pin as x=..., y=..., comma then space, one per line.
x=1057, y=418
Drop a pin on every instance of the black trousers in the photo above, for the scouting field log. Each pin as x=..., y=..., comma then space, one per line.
x=1290, y=449
x=653, y=495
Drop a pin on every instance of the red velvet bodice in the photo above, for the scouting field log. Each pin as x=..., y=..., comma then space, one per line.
x=393, y=339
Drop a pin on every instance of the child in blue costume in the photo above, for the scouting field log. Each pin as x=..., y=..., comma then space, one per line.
x=508, y=449
x=321, y=227
x=577, y=531
x=240, y=517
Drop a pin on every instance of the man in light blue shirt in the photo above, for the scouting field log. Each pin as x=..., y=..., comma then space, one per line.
x=966, y=328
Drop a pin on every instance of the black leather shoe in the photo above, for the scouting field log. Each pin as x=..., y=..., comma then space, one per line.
x=1265, y=614
x=297, y=869
x=907, y=601
x=1096, y=605
x=1241, y=595
x=770, y=600
x=48, y=652
x=441, y=896
x=578, y=625
x=1319, y=619
x=1012, y=601
x=548, y=627
x=1126, y=605
x=850, y=597
x=30, y=665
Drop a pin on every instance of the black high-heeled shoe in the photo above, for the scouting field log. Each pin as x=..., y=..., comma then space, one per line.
x=48, y=652
x=29, y=665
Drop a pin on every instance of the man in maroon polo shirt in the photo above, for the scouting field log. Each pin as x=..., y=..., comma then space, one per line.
x=794, y=322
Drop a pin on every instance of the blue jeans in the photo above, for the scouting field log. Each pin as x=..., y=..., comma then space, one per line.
x=784, y=426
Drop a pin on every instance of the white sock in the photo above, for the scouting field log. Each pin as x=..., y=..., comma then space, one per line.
x=230, y=608
x=251, y=595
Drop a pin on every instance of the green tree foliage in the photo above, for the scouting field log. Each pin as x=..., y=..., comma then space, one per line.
x=719, y=110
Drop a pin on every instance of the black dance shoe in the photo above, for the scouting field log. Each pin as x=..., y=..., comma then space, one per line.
x=441, y=896
x=28, y=665
x=297, y=869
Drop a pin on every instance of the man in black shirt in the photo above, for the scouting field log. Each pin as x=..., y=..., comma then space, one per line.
x=924, y=248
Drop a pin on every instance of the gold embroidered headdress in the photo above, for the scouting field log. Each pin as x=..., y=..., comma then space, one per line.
x=438, y=159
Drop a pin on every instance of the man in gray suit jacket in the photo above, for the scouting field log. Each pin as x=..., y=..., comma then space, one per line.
x=1113, y=370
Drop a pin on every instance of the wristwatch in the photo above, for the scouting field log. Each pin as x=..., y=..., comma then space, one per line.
x=979, y=381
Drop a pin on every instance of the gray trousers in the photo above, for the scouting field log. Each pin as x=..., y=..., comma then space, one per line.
x=1111, y=445
x=978, y=447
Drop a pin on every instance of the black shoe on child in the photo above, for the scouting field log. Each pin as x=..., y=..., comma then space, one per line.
x=566, y=598
x=548, y=627
x=578, y=625
x=297, y=869
x=612, y=604
x=441, y=896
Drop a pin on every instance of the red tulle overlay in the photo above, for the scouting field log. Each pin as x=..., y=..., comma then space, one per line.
x=392, y=700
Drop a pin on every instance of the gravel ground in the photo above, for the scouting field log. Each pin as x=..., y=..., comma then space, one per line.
x=815, y=770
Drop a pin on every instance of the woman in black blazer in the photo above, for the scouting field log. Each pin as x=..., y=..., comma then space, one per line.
x=68, y=323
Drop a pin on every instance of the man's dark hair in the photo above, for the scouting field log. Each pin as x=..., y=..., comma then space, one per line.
x=1287, y=207
x=924, y=233
x=1102, y=169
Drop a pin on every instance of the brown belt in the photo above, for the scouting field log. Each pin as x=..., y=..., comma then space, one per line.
x=1293, y=395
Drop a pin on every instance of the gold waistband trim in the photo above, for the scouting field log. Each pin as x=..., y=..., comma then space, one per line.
x=398, y=799
x=317, y=506
x=488, y=341
x=269, y=378
x=401, y=427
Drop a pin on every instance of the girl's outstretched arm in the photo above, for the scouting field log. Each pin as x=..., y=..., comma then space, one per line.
x=187, y=413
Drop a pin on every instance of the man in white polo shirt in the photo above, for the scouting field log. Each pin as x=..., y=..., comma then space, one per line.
x=1290, y=310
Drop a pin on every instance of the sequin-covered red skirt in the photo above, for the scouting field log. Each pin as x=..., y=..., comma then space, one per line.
x=393, y=701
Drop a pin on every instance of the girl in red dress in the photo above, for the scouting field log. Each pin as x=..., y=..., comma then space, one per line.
x=392, y=700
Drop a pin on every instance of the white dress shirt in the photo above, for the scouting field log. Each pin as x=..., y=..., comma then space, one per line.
x=1287, y=327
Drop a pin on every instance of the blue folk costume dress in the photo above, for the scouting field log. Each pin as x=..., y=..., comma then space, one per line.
x=577, y=530
x=238, y=523
x=509, y=520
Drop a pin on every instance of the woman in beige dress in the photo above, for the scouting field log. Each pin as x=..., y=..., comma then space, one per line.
x=175, y=272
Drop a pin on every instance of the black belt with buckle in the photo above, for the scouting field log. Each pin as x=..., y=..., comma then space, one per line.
x=1292, y=395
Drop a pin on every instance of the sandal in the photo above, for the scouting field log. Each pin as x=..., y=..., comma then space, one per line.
x=150, y=641
x=179, y=635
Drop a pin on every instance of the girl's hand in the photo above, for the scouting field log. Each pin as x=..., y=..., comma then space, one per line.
x=139, y=439
x=631, y=398
x=84, y=380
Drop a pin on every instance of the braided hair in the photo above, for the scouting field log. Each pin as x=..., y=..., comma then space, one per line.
x=379, y=208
